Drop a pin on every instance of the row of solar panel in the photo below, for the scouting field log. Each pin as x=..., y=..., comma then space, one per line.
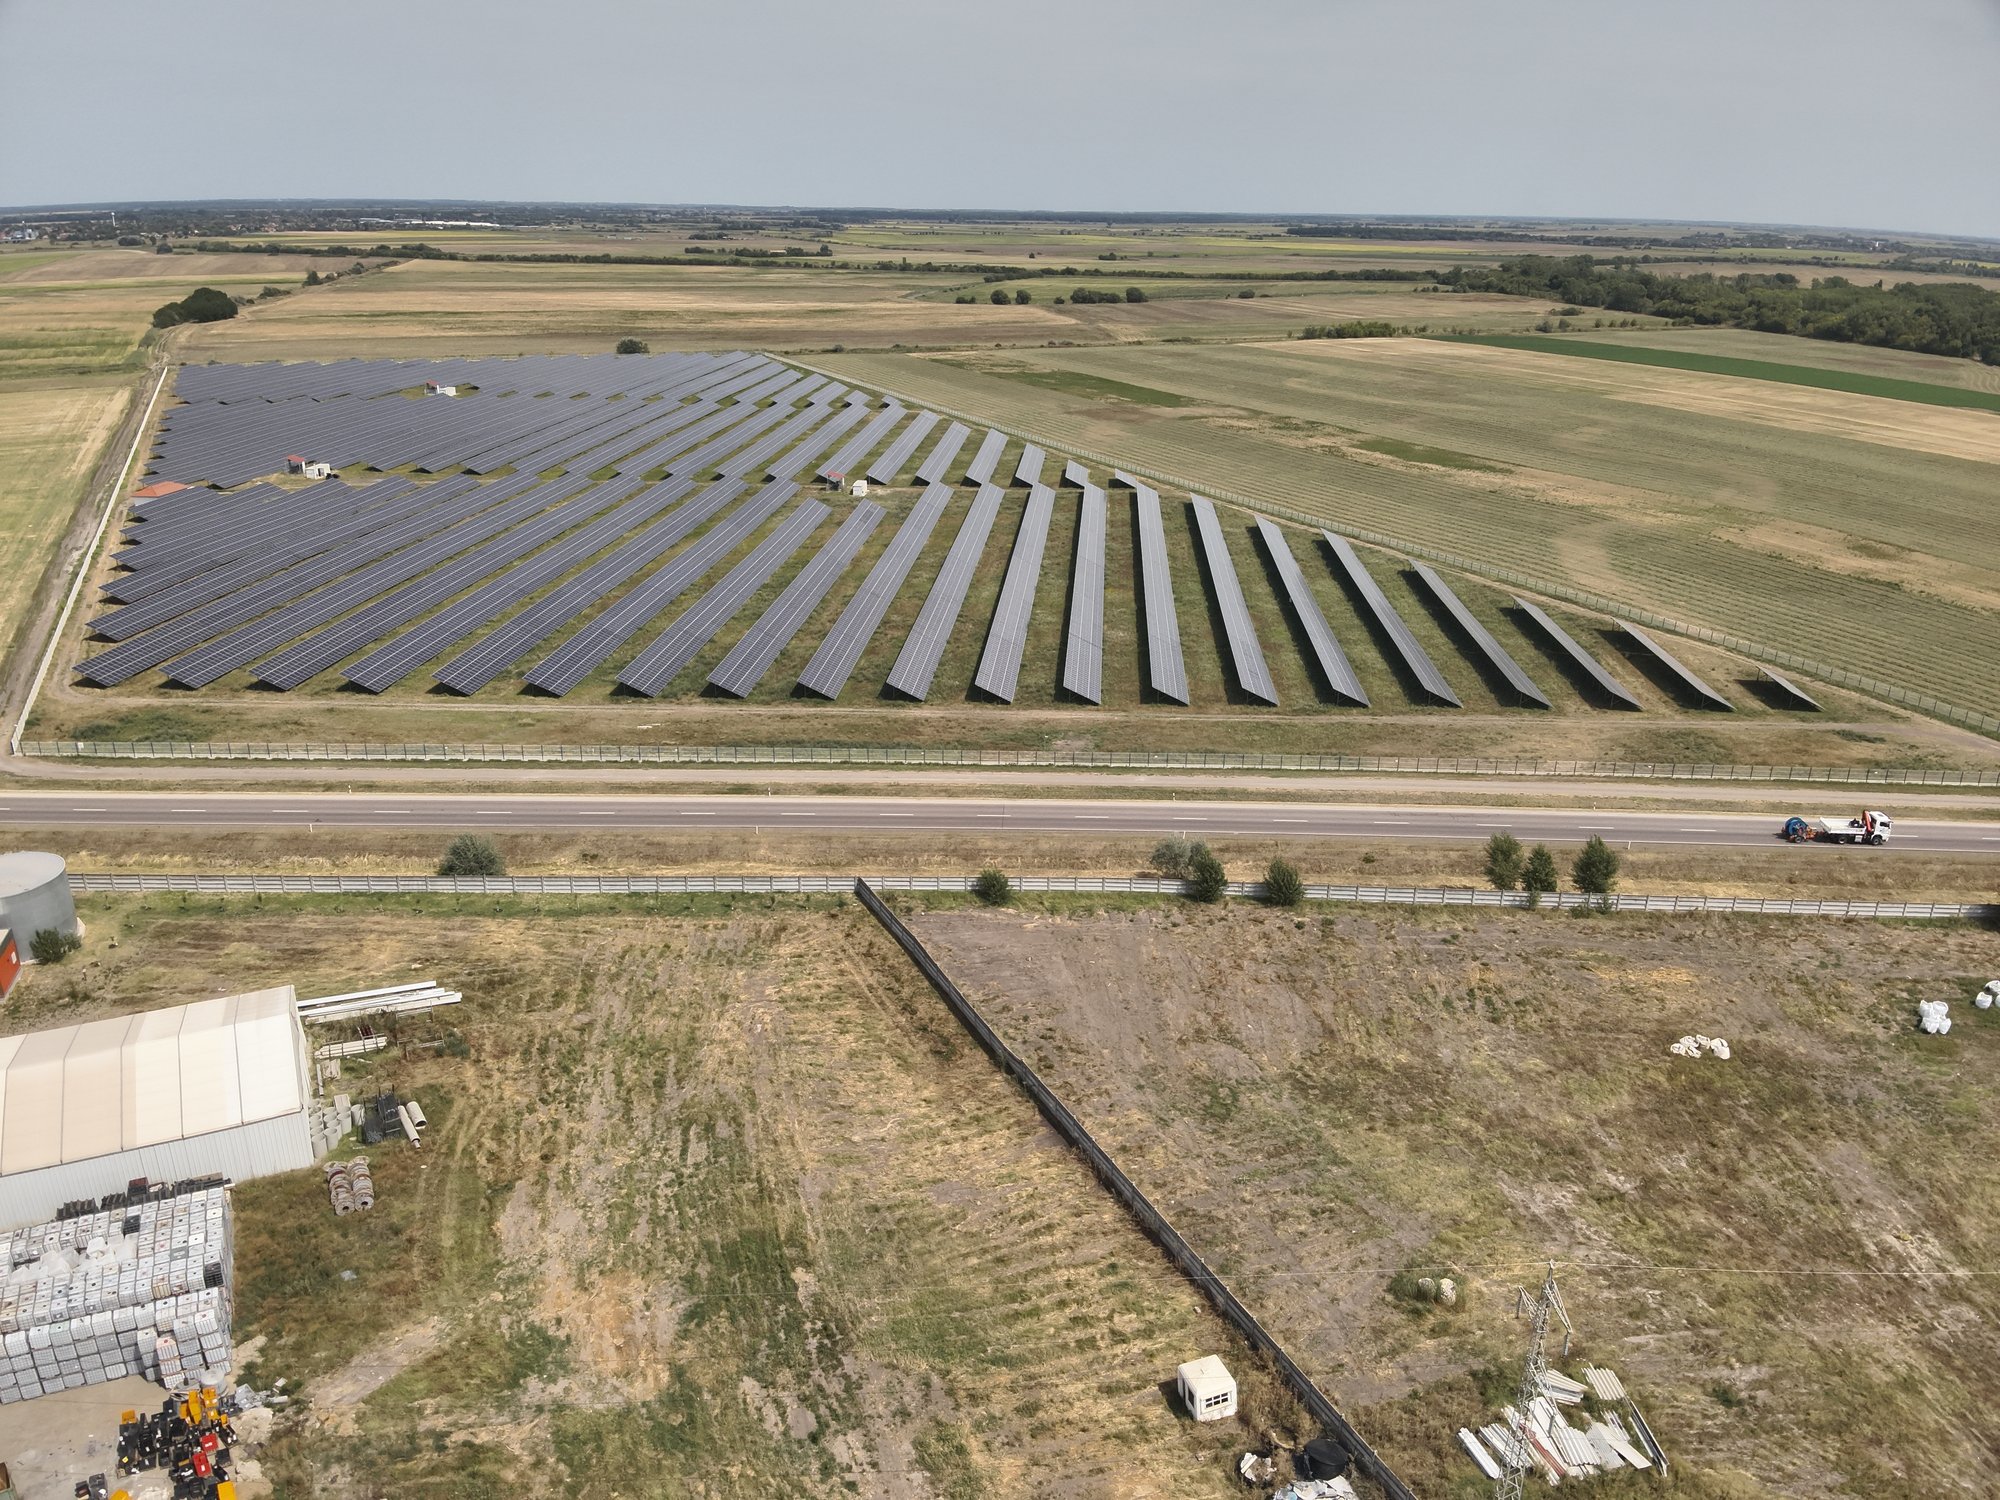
x=529, y=374
x=372, y=561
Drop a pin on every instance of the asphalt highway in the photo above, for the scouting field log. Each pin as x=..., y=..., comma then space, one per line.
x=71, y=809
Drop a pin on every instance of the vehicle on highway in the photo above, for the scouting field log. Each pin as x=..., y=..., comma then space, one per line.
x=1869, y=828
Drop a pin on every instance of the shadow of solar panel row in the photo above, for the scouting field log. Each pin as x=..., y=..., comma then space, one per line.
x=740, y=671
x=1076, y=474
x=885, y=468
x=653, y=669
x=844, y=461
x=1415, y=658
x=1334, y=667
x=1245, y=655
x=185, y=631
x=1580, y=658
x=795, y=465
x=268, y=632
x=395, y=609
x=1166, y=668
x=316, y=554
x=1029, y=470
x=1799, y=697
x=497, y=650
x=934, y=468
x=980, y=470
x=1701, y=691
x=384, y=667
x=785, y=436
x=587, y=650
x=1482, y=638
x=1083, y=651
x=917, y=663
x=999, y=670
x=833, y=663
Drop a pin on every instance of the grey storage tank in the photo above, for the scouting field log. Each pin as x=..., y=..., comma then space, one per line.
x=34, y=895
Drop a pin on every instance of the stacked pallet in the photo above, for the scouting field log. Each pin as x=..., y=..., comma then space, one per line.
x=138, y=1289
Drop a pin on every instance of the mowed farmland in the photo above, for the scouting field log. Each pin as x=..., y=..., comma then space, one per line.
x=1846, y=528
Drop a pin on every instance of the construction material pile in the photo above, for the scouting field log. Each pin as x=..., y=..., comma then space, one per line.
x=1985, y=998
x=1696, y=1044
x=350, y=1185
x=135, y=1284
x=189, y=1437
x=1934, y=1017
x=1544, y=1440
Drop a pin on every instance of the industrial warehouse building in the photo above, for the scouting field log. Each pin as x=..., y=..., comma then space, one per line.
x=216, y=1086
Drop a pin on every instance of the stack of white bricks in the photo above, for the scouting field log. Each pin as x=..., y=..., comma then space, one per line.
x=140, y=1290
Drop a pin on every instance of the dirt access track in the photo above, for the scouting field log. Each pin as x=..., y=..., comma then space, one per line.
x=1784, y=1254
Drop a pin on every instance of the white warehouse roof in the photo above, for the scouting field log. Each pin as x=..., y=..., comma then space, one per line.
x=92, y=1090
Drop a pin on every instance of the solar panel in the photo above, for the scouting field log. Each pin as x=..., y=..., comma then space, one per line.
x=844, y=461
x=934, y=468
x=1076, y=474
x=660, y=663
x=1083, y=651
x=501, y=647
x=1415, y=659
x=587, y=650
x=917, y=663
x=1699, y=690
x=1166, y=668
x=1334, y=666
x=1000, y=663
x=1581, y=659
x=794, y=464
x=1791, y=690
x=980, y=470
x=885, y=469
x=749, y=659
x=1245, y=655
x=1029, y=470
x=834, y=661
x=1481, y=638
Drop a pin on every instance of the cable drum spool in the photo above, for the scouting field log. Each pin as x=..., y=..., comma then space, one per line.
x=361, y=1183
x=339, y=1188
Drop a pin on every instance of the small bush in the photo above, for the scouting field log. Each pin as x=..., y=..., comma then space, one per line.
x=1596, y=868
x=1503, y=862
x=470, y=854
x=1135, y=294
x=1282, y=884
x=999, y=297
x=1246, y=294
x=1173, y=856
x=993, y=887
x=52, y=945
x=1207, y=881
x=1022, y=298
x=633, y=346
x=1538, y=876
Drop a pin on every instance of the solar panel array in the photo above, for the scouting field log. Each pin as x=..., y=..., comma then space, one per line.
x=1581, y=659
x=1482, y=639
x=1790, y=690
x=1083, y=651
x=1166, y=667
x=1000, y=663
x=1415, y=658
x=627, y=484
x=1253, y=674
x=1334, y=666
x=917, y=663
x=1699, y=690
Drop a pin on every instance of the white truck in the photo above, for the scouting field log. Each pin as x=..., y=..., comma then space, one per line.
x=1868, y=828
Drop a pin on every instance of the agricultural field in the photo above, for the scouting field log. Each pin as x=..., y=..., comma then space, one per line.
x=1330, y=1106
x=1811, y=354
x=716, y=1201
x=1843, y=527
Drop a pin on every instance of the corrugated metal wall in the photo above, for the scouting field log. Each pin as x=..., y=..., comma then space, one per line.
x=283, y=1144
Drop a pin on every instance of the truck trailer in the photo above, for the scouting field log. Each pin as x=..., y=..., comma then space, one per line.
x=1868, y=828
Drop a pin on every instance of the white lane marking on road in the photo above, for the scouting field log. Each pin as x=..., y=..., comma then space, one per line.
x=392, y=809
x=1392, y=822
x=490, y=812
x=1100, y=817
x=590, y=812
x=1291, y=820
x=86, y=809
x=171, y=809
x=797, y=815
x=687, y=813
x=1492, y=825
x=897, y=815
x=992, y=815
x=1698, y=830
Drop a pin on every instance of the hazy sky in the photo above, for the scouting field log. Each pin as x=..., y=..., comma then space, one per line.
x=1839, y=112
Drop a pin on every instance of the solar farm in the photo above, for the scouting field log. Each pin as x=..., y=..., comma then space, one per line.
x=695, y=524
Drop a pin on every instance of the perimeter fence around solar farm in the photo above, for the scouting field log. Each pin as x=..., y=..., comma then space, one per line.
x=1872, y=687
x=998, y=758
x=1080, y=885
x=1184, y=1256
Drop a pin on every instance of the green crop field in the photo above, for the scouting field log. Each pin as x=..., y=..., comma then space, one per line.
x=1864, y=544
x=1931, y=393
x=1785, y=349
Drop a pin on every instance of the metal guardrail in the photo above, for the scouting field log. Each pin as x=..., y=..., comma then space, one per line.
x=1179, y=1251
x=923, y=755
x=1089, y=885
x=1871, y=686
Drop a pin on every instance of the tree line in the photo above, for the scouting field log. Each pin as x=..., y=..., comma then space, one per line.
x=1949, y=318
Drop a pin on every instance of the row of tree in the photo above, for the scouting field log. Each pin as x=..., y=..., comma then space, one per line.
x=1951, y=318
x=1509, y=867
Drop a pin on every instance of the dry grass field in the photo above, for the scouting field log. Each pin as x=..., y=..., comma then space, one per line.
x=1786, y=1255
x=715, y=1202
x=1849, y=528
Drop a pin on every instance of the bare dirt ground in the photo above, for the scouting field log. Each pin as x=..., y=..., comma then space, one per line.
x=1784, y=1254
